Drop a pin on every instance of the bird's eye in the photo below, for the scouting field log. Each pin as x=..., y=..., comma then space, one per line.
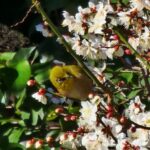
x=60, y=80
x=69, y=75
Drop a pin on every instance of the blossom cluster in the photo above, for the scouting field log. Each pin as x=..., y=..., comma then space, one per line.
x=101, y=132
x=93, y=33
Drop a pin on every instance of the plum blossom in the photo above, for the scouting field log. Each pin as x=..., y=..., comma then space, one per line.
x=135, y=107
x=125, y=144
x=142, y=119
x=40, y=96
x=145, y=39
x=137, y=139
x=99, y=20
x=95, y=141
x=88, y=113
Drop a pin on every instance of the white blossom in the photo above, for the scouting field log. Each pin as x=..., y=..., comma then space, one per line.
x=135, y=107
x=88, y=114
x=145, y=39
x=40, y=98
x=142, y=119
x=95, y=141
x=137, y=139
x=134, y=42
x=124, y=18
x=99, y=20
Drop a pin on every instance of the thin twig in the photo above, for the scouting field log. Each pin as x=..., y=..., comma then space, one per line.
x=138, y=125
x=25, y=17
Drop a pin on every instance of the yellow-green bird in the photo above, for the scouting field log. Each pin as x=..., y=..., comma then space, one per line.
x=71, y=81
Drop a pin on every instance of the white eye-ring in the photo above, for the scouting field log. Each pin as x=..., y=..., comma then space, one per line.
x=60, y=80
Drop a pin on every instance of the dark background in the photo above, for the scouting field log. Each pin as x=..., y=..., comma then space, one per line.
x=12, y=11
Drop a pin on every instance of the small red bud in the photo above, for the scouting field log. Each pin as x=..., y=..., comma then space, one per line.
x=59, y=110
x=42, y=91
x=32, y=140
x=109, y=108
x=49, y=139
x=91, y=95
x=93, y=10
x=65, y=136
x=116, y=47
x=31, y=82
x=115, y=37
x=67, y=118
x=133, y=129
x=127, y=52
x=109, y=114
x=122, y=119
x=80, y=130
x=73, y=134
x=30, y=143
x=121, y=83
x=38, y=144
x=73, y=117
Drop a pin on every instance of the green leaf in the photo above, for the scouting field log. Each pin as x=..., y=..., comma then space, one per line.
x=21, y=99
x=36, y=114
x=125, y=2
x=22, y=54
x=25, y=115
x=114, y=1
x=15, y=135
x=119, y=96
x=41, y=113
x=127, y=76
x=132, y=94
x=3, y=98
x=24, y=71
x=22, y=66
x=41, y=72
x=42, y=76
x=51, y=115
x=6, y=56
x=73, y=110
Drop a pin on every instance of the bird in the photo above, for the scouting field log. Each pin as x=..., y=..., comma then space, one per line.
x=70, y=81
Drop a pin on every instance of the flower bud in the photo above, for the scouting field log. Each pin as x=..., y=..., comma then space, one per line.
x=73, y=117
x=49, y=139
x=127, y=52
x=109, y=114
x=122, y=119
x=38, y=144
x=59, y=109
x=30, y=143
x=42, y=91
x=31, y=82
x=109, y=108
x=73, y=135
x=80, y=129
